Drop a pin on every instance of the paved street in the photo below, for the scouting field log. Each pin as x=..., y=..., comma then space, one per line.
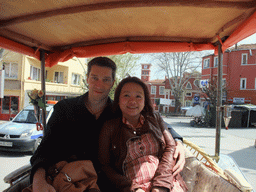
x=10, y=162
x=237, y=143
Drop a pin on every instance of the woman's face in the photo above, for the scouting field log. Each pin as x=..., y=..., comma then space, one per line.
x=131, y=100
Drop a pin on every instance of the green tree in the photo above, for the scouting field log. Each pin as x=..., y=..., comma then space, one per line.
x=1, y=53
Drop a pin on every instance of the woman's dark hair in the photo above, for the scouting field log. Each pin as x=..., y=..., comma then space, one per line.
x=148, y=109
x=102, y=62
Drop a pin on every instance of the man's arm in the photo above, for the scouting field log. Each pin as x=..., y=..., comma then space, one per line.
x=47, y=151
x=174, y=134
x=179, y=154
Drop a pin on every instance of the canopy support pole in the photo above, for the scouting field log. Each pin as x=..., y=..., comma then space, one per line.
x=42, y=58
x=219, y=101
x=248, y=120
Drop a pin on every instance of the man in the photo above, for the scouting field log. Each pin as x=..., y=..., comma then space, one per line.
x=73, y=129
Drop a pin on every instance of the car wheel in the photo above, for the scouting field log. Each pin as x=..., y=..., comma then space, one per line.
x=192, y=123
x=37, y=143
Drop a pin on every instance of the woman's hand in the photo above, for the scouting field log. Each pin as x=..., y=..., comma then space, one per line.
x=159, y=189
x=179, y=155
x=139, y=190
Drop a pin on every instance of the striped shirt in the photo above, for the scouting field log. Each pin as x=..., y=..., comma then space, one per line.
x=141, y=161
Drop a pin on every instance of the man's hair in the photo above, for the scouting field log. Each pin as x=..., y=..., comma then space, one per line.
x=102, y=62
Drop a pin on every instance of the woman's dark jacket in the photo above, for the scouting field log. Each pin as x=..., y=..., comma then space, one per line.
x=113, y=151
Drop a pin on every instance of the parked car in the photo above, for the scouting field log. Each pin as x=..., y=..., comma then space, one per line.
x=20, y=134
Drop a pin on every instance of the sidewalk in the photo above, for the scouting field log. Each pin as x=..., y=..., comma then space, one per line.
x=2, y=121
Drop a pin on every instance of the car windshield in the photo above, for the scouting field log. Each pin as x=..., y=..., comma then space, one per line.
x=27, y=116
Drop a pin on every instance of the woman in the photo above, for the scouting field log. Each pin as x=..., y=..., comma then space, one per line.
x=136, y=151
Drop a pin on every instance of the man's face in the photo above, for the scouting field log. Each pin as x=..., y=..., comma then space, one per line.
x=100, y=82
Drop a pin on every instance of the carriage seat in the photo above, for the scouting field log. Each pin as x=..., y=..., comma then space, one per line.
x=196, y=175
x=199, y=178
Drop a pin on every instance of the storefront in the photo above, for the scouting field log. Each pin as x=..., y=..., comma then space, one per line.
x=9, y=107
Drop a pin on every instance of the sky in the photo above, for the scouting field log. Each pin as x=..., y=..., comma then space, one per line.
x=156, y=74
x=249, y=40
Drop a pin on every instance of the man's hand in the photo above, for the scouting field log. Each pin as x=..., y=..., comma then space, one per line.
x=44, y=187
x=39, y=182
x=179, y=155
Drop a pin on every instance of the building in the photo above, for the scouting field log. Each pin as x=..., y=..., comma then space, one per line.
x=23, y=74
x=161, y=93
x=239, y=77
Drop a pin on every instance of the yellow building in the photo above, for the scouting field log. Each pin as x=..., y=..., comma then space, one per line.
x=23, y=74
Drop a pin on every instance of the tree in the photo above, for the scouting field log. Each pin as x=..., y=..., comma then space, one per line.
x=1, y=53
x=127, y=65
x=209, y=92
x=178, y=68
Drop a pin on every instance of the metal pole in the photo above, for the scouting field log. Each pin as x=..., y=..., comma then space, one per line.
x=219, y=101
x=42, y=58
x=248, y=119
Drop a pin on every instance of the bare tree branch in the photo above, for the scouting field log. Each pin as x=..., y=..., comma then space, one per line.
x=178, y=67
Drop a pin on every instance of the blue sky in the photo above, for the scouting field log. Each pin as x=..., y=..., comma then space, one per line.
x=156, y=74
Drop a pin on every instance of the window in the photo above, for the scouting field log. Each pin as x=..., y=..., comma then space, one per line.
x=166, y=95
x=197, y=83
x=75, y=79
x=161, y=90
x=243, y=83
x=207, y=63
x=58, y=77
x=188, y=94
x=188, y=103
x=172, y=102
x=224, y=82
x=215, y=61
x=153, y=89
x=35, y=73
x=244, y=59
x=11, y=70
x=145, y=66
x=188, y=86
x=145, y=73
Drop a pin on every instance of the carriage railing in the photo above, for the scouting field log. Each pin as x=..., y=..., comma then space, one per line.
x=211, y=162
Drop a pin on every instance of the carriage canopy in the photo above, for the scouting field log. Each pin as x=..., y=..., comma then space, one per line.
x=86, y=28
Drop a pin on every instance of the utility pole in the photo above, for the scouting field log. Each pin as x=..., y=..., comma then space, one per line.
x=219, y=101
x=42, y=58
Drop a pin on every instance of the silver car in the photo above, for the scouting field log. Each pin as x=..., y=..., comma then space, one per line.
x=20, y=134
